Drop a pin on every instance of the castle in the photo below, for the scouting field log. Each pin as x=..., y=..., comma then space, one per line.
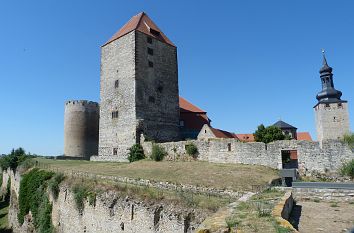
x=140, y=102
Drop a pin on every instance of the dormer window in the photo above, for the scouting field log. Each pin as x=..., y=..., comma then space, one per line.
x=154, y=32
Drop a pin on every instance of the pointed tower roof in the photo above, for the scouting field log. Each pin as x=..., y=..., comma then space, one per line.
x=283, y=125
x=142, y=23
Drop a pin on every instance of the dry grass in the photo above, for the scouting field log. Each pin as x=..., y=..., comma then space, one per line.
x=255, y=216
x=221, y=176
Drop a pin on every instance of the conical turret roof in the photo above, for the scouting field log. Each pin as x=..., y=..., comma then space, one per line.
x=142, y=23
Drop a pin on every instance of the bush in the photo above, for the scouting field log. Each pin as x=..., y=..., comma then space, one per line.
x=33, y=197
x=349, y=139
x=192, y=150
x=136, y=153
x=158, y=153
x=54, y=183
x=347, y=169
x=80, y=193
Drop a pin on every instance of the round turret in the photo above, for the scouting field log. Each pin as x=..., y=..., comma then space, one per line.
x=81, y=128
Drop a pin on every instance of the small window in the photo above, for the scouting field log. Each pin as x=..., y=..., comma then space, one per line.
x=229, y=147
x=149, y=40
x=115, y=151
x=181, y=123
x=150, y=51
x=151, y=99
x=151, y=64
x=204, y=131
x=116, y=84
x=340, y=105
x=327, y=105
x=114, y=114
x=154, y=32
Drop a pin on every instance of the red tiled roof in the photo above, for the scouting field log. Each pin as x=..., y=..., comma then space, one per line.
x=246, y=137
x=142, y=23
x=304, y=136
x=186, y=106
x=222, y=134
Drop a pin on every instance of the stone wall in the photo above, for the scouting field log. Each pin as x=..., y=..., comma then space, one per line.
x=111, y=212
x=335, y=195
x=311, y=156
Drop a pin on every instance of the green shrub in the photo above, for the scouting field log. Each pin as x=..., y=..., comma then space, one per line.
x=14, y=159
x=158, y=153
x=192, y=150
x=80, y=193
x=347, y=169
x=136, y=153
x=33, y=197
x=54, y=183
x=349, y=139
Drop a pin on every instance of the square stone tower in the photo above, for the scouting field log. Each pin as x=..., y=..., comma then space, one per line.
x=139, y=88
x=331, y=113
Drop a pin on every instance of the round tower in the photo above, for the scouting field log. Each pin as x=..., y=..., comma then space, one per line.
x=81, y=128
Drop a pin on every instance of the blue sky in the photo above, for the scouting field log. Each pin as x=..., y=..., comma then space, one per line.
x=244, y=62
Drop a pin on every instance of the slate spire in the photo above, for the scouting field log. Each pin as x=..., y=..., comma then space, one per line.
x=328, y=94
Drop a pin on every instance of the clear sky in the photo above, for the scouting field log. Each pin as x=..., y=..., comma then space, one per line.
x=244, y=62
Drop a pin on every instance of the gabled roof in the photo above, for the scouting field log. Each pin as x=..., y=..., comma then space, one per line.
x=222, y=134
x=186, y=106
x=304, y=136
x=142, y=23
x=284, y=125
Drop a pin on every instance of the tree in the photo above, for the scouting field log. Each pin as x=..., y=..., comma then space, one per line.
x=268, y=134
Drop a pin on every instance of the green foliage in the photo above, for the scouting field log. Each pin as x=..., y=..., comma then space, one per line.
x=54, y=183
x=81, y=192
x=349, y=139
x=157, y=153
x=33, y=197
x=192, y=150
x=347, y=169
x=8, y=187
x=268, y=134
x=136, y=153
x=14, y=159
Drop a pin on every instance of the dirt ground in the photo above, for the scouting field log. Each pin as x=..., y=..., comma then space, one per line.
x=325, y=217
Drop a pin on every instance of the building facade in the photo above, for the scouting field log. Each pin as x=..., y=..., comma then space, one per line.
x=139, y=88
x=331, y=113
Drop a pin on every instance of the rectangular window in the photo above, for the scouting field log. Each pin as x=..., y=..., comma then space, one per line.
x=151, y=64
x=339, y=104
x=114, y=114
x=116, y=84
x=228, y=146
x=181, y=123
x=149, y=40
x=327, y=105
x=150, y=51
x=115, y=151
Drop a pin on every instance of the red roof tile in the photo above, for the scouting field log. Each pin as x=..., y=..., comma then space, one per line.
x=142, y=23
x=246, y=137
x=222, y=134
x=186, y=106
x=304, y=136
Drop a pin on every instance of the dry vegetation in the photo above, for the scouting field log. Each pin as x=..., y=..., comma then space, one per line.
x=230, y=176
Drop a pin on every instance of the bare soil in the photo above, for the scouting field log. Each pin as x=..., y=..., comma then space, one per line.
x=325, y=217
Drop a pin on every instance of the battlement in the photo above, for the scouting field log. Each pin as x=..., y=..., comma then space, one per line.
x=82, y=103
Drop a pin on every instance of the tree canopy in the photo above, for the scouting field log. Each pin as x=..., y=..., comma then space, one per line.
x=268, y=134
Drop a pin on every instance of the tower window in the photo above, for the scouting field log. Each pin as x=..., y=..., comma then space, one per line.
x=151, y=64
x=150, y=51
x=114, y=114
x=116, y=84
x=181, y=123
x=327, y=105
x=151, y=99
x=149, y=40
x=115, y=151
x=340, y=105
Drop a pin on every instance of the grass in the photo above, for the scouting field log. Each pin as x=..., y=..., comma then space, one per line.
x=88, y=189
x=222, y=176
x=255, y=214
x=335, y=204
